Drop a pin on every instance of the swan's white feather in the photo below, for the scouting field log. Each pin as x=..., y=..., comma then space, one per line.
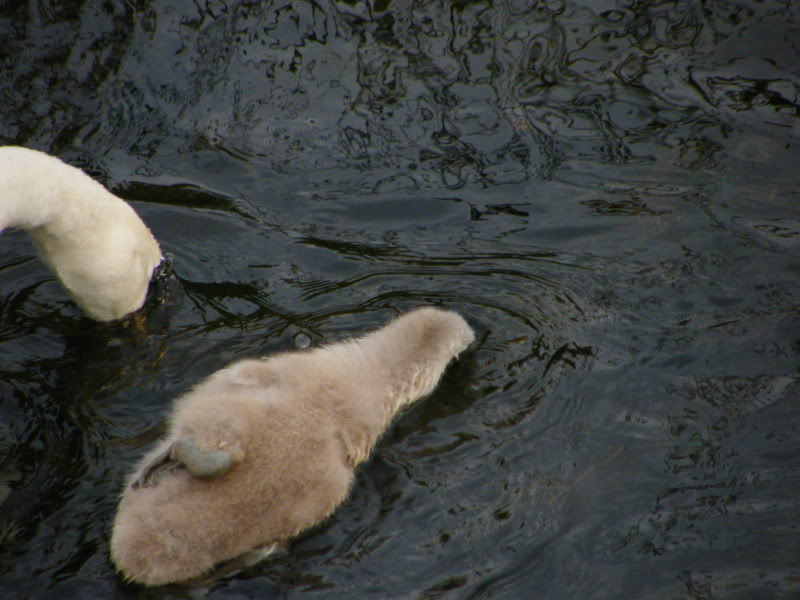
x=93, y=241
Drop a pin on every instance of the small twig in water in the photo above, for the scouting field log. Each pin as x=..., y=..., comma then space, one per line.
x=563, y=495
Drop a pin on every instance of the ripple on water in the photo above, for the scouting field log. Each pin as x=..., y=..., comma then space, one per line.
x=608, y=194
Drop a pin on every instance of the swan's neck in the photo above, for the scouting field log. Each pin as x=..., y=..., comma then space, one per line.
x=94, y=242
x=43, y=195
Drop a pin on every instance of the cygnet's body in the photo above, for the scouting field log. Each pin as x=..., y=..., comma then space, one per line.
x=94, y=242
x=273, y=444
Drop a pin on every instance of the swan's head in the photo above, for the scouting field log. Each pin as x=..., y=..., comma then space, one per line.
x=108, y=276
x=95, y=243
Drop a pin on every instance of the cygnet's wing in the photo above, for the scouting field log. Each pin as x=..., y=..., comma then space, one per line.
x=205, y=464
x=152, y=473
x=184, y=453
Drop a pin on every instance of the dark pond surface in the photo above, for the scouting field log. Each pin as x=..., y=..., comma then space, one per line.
x=609, y=191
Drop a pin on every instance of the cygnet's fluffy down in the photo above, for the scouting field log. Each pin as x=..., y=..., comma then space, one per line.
x=94, y=242
x=264, y=449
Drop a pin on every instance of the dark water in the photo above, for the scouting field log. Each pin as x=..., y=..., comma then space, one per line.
x=608, y=191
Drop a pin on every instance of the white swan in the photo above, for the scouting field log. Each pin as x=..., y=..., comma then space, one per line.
x=264, y=449
x=94, y=242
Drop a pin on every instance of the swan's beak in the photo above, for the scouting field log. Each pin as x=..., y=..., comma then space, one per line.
x=163, y=281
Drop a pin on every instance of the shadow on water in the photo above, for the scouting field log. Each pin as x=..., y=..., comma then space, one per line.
x=607, y=192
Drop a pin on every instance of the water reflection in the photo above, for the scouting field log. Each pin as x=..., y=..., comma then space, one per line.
x=606, y=190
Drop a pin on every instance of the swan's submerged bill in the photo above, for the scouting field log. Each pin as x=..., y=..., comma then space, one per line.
x=264, y=449
x=93, y=241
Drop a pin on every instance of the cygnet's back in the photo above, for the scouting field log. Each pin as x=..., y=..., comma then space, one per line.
x=265, y=449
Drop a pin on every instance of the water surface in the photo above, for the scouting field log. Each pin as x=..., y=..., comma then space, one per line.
x=608, y=191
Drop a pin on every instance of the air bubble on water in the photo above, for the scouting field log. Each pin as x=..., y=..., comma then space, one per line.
x=301, y=340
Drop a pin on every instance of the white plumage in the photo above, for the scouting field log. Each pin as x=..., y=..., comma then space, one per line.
x=94, y=242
